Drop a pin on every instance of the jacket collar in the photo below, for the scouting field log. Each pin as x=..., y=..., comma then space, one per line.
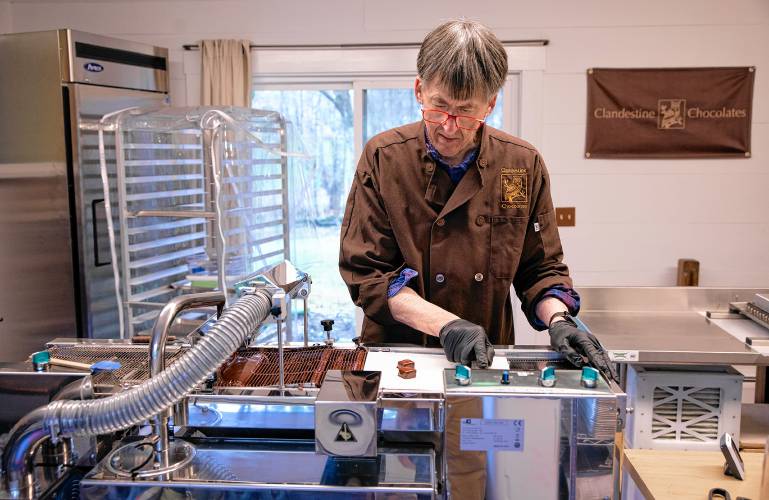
x=470, y=184
x=418, y=129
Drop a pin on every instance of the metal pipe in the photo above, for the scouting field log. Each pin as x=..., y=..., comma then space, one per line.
x=158, y=354
x=79, y=389
x=60, y=453
x=406, y=45
x=29, y=433
x=306, y=323
x=19, y=455
x=281, y=369
x=166, y=318
x=135, y=405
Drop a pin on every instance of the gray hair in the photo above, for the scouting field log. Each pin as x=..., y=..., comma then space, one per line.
x=465, y=57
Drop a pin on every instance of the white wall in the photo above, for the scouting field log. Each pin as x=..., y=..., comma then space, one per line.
x=634, y=218
x=5, y=17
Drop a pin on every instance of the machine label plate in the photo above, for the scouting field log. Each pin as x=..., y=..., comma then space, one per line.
x=486, y=434
x=623, y=356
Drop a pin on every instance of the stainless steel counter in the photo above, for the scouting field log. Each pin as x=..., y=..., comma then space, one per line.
x=666, y=325
x=670, y=338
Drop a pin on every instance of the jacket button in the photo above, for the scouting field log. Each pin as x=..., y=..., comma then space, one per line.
x=482, y=162
x=441, y=222
x=478, y=277
x=439, y=278
x=480, y=220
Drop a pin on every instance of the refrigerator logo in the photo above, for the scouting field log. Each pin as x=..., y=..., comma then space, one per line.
x=93, y=67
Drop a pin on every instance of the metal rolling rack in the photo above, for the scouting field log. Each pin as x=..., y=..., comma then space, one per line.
x=170, y=209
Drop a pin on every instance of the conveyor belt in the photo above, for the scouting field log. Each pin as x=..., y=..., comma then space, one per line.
x=306, y=366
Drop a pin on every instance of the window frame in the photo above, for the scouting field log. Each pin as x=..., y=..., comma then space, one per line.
x=315, y=68
x=511, y=112
x=310, y=67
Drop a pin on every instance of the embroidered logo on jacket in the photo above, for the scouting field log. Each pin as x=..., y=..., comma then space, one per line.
x=514, y=192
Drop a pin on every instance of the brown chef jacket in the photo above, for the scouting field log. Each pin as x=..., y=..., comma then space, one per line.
x=468, y=243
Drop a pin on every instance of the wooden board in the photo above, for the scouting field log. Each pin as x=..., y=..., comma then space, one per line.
x=681, y=475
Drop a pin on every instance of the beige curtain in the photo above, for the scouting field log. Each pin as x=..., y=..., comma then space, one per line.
x=226, y=73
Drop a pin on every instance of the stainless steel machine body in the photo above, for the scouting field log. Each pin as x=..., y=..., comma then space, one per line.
x=433, y=436
x=258, y=442
x=262, y=469
x=54, y=88
x=521, y=439
x=255, y=441
x=345, y=414
x=411, y=417
x=682, y=409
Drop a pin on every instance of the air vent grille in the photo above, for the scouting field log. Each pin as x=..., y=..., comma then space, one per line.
x=686, y=413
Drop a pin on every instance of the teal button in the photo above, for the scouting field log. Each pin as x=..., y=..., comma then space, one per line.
x=589, y=376
x=462, y=374
x=547, y=376
x=41, y=360
x=41, y=357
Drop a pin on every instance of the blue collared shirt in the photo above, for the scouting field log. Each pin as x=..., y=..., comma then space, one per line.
x=456, y=172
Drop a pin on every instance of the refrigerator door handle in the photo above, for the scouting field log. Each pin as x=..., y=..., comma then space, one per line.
x=97, y=213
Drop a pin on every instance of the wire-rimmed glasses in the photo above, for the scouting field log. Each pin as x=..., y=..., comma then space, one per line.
x=440, y=117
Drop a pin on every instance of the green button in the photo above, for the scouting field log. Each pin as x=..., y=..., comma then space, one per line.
x=41, y=357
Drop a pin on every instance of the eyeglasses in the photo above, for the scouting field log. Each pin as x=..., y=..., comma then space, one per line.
x=440, y=117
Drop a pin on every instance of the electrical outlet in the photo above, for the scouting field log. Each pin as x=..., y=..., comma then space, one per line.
x=565, y=216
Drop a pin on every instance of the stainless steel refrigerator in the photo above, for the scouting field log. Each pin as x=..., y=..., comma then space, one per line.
x=55, y=270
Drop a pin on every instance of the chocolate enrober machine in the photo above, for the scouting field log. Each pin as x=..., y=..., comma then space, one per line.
x=249, y=437
x=380, y=434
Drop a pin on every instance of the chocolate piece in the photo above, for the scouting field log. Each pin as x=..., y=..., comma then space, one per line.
x=405, y=363
x=407, y=373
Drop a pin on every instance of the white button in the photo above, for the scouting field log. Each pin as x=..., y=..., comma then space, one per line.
x=440, y=278
x=478, y=277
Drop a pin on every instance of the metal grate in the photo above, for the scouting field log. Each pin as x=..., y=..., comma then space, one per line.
x=258, y=366
x=527, y=359
x=686, y=413
x=134, y=362
x=536, y=365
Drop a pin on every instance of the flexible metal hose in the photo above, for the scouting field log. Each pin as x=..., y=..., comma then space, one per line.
x=123, y=410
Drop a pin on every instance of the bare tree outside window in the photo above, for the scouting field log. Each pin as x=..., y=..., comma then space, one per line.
x=322, y=123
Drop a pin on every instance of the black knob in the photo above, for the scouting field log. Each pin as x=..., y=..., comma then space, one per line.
x=328, y=324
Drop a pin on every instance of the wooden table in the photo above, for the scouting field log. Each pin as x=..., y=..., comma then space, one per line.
x=681, y=475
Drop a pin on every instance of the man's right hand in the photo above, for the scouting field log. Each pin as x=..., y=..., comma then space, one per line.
x=465, y=342
x=575, y=344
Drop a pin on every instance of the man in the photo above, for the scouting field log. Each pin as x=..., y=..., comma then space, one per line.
x=445, y=214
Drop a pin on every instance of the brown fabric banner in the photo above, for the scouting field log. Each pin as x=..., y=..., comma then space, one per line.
x=669, y=112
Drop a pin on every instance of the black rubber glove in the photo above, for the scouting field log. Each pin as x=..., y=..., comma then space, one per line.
x=574, y=343
x=465, y=342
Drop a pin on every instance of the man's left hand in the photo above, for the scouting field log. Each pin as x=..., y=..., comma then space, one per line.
x=575, y=344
